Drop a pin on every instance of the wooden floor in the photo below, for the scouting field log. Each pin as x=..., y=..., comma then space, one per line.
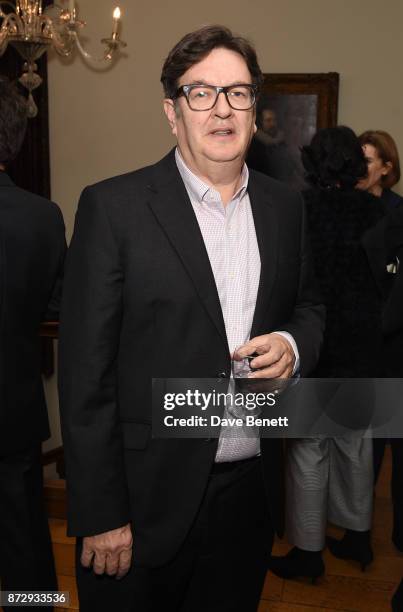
x=344, y=586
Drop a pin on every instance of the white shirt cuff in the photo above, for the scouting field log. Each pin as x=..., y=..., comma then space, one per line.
x=291, y=340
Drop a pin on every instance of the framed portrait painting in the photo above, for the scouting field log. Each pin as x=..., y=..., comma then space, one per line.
x=290, y=109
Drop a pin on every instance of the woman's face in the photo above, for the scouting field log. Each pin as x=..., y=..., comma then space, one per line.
x=376, y=170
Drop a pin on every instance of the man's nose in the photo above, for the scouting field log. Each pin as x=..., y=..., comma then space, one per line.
x=222, y=107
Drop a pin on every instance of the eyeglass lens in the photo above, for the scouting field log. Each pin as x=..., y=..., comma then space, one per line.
x=203, y=97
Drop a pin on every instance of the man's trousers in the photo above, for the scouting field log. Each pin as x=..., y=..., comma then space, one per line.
x=220, y=567
x=26, y=558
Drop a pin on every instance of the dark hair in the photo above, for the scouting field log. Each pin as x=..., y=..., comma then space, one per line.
x=334, y=158
x=387, y=150
x=195, y=46
x=13, y=120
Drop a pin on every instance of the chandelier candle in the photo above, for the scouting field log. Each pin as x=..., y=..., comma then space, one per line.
x=116, y=18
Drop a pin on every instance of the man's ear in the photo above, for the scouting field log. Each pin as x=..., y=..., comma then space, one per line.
x=170, y=112
x=254, y=128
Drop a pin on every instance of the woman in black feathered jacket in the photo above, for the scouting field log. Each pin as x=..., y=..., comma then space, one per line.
x=332, y=479
x=338, y=219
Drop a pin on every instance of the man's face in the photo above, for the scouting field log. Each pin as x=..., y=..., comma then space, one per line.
x=219, y=135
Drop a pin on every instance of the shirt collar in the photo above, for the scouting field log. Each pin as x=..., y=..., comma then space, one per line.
x=198, y=190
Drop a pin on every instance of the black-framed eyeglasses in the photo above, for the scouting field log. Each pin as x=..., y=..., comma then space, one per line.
x=241, y=96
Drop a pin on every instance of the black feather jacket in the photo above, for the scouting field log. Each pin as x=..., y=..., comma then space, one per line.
x=338, y=219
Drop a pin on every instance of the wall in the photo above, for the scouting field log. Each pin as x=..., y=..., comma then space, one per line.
x=102, y=124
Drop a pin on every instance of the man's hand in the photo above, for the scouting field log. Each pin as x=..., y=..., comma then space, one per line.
x=276, y=356
x=111, y=551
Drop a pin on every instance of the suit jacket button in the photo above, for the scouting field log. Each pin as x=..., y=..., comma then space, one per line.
x=221, y=377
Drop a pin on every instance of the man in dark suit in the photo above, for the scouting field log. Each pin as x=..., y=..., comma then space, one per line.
x=385, y=244
x=393, y=329
x=32, y=248
x=171, y=269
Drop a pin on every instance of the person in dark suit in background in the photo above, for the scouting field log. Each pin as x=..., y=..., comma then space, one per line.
x=32, y=248
x=393, y=330
x=170, y=269
x=383, y=162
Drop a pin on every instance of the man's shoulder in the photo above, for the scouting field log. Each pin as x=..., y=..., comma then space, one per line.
x=126, y=181
x=29, y=203
x=136, y=181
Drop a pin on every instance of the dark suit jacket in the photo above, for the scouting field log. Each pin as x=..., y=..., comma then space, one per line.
x=140, y=301
x=32, y=248
x=391, y=199
x=384, y=245
x=392, y=318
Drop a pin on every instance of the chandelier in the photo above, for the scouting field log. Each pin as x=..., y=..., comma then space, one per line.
x=32, y=30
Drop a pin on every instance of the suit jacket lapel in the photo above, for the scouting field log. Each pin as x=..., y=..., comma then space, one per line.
x=266, y=226
x=170, y=204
